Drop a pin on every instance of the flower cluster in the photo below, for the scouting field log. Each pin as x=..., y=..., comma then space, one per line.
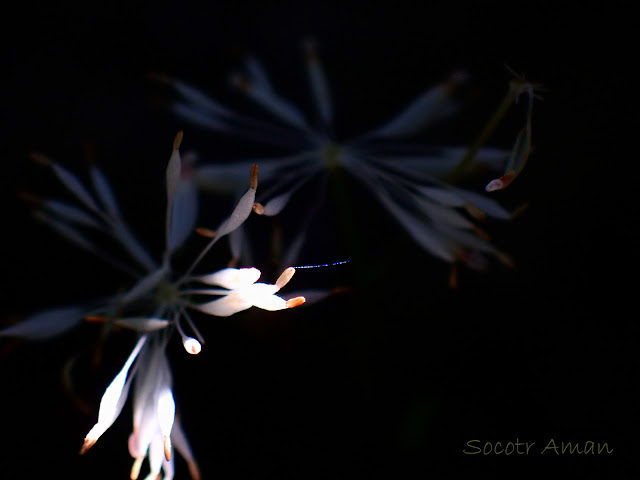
x=414, y=183
x=155, y=306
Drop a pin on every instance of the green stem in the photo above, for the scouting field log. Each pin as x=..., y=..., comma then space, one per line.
x=484, y=136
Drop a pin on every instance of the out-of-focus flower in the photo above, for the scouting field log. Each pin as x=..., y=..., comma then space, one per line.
x=154, y=305
x=412, y=182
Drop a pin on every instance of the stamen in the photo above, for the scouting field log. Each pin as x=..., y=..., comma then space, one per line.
x=191, y=345
x=241, y=83
x=258, y=208
x=205, y=232
x=253, y=182
x=88, y=443
x=40, y=159
x=167, y=448
x=177, y=140
x=295, y=302
x=500, y=183
x=284, y=278
x=29, y=197
x=135, y=469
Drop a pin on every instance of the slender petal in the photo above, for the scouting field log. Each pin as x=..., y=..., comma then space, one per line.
x=46, y=324
x=433, y=105
x=103, y=189
x=113, y=399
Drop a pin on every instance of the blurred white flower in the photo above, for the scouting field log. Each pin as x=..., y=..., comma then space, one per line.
x=412, y=182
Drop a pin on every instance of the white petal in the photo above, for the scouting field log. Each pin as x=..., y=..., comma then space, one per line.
x=276, y=105
x=433, y=105
x=173, y=173
x=133, y=246
x=113, y=399
x=71, y=213
x=239, y=214
x=198, y=116
x=276, y=204
x=319, y=85
x=225, y=306
x=74, y=185
x=232, y=278
x=181, y=444
x=199, y=98
x=142, y=324
x=269, y=302
x=45, y=324
x=104, y=191
x=183, y=214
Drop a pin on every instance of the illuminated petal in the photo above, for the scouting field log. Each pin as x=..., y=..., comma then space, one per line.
x=225, y=306
x=113, y=399
x=232, y=278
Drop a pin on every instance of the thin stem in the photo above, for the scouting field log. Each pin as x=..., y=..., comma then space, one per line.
x=484, y=136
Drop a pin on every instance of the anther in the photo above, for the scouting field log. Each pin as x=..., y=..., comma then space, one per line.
x=295, y=302
x=177, y=140
x=258, y=208
x=284, y=278
x=191, y=345
x=205, y=232
x=167, y=448
x=253, y=180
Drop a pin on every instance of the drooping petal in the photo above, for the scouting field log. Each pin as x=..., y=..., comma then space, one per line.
x=181, y=444
x=46, y=324
x=113, y=399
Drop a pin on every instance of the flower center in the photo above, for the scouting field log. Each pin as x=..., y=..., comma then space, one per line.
x=167, y=293
x=332, y=154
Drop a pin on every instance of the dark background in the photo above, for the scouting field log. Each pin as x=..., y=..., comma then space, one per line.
x=397, y=376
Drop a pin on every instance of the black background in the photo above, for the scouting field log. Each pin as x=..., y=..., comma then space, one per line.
x=397, y=376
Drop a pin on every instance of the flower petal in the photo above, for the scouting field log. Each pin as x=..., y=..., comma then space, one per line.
x=45, y=324
x=232, y=278
x=225, y=306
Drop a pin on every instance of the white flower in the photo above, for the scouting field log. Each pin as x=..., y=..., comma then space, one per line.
x=412, y=182
x=243, y=292
x=155, y=304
